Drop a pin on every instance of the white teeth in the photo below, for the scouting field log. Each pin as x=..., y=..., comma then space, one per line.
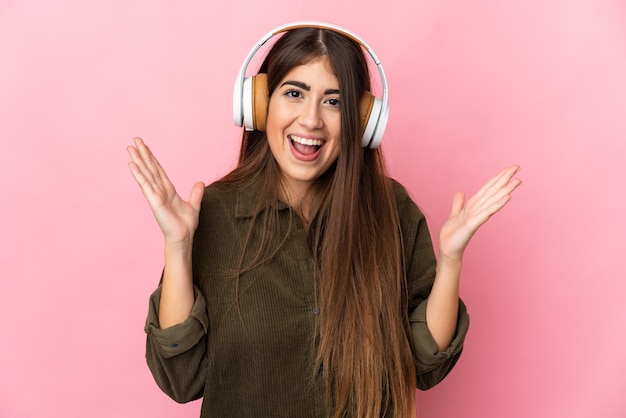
x=305, y=141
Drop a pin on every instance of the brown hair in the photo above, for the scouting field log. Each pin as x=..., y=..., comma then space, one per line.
x=363, y=335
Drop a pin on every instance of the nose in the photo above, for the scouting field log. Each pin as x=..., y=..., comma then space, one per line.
x=311, y=116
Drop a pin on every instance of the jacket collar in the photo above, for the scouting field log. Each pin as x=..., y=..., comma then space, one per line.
x=246, y=204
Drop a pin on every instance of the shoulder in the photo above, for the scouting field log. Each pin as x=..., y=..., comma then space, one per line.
x=406, y=205
x=230, y=200
x=218, y=200
x=218, y=192
x=216, y=195
x=399, y=190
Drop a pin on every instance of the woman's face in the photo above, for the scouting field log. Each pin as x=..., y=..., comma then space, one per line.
x=303, y=124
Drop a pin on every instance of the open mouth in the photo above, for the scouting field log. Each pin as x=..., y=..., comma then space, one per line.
x=305, y=146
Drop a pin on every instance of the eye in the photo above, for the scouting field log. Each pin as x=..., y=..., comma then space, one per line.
x=334, y=102
x=293, y=94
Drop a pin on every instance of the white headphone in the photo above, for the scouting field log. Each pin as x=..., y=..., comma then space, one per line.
x=250, y=97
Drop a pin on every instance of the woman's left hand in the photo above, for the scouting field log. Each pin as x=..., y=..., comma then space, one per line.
x=466, y=217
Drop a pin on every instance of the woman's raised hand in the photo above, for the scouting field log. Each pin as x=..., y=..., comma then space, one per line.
x=466, y=217
x=178, y=219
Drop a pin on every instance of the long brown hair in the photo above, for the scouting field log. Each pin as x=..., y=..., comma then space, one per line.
x=362, y=332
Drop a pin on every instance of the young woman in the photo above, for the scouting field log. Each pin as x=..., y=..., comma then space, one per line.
x=304, y=282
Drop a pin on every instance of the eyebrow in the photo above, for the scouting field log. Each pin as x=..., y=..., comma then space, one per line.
x=306, y=87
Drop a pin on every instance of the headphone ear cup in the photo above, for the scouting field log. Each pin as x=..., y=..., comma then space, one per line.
x=260, y=101
x=254, y=102
x=370, y=113
x=365, y=108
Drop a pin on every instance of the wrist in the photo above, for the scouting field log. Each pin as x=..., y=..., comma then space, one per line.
x=450, y=260
x=179, y=245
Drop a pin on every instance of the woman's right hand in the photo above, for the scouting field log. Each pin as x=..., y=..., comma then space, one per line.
x=178, y=219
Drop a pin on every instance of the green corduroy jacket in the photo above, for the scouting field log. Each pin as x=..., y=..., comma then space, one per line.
x=253, y=356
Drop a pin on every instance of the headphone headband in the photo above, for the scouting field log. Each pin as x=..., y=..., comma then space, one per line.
x=379, y=115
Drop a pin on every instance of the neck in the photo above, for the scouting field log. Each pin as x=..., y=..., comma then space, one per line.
x=295, y=196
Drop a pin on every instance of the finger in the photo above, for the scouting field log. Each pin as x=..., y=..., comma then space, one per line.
x=504, y=190
x=151, y=161
x=195, y=197
x=155, y=188
x=506, y=176
x=150, y=166
x=496, y=206
x=140, y=171
x=146, y=186
x=500, y=199
x=146, y=157
x=497, y=182
x=136, y=164
x=136, y=157
x=139, y=156
x=457, y=203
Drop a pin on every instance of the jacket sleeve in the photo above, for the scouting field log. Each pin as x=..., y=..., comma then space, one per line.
x=176, y=355
x=432, y=365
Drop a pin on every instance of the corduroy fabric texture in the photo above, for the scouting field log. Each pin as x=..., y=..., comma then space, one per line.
x=249, y=351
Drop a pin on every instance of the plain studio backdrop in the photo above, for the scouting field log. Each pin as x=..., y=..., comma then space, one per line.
x=474, y=86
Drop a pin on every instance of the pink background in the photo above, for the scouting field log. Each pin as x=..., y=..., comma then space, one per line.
x=474, y=86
